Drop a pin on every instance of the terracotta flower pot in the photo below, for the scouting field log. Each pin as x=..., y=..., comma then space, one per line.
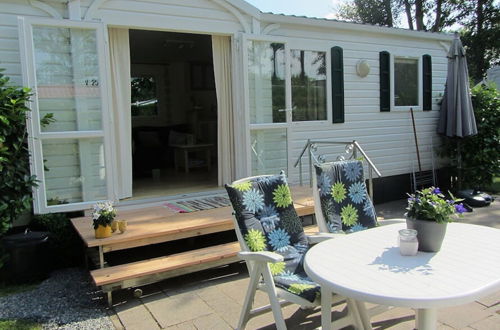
x=103, y=231
x=430, y=234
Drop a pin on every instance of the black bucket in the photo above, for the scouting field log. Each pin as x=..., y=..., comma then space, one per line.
x=27, y=255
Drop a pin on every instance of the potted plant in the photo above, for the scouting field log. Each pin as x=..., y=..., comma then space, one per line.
x=103, y=215
x=429, y=212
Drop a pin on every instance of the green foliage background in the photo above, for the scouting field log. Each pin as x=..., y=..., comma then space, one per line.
x=480, y=153
x=16, y=183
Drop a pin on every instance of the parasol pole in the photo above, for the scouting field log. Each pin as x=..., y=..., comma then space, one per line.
x=416, y=141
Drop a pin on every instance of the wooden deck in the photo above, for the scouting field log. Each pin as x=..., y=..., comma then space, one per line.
x=159, y=224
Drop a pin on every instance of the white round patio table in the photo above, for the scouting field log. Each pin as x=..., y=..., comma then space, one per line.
x=367, y=266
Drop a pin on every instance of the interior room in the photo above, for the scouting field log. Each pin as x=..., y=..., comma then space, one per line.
x=174, y=114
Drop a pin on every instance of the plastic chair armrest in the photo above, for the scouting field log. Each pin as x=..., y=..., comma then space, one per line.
x=263, y=256
x=320, y=237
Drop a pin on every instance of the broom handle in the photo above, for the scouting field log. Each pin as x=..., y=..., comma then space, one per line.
x=416, y=141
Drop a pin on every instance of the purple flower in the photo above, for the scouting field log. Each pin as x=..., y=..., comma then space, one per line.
x=450, y=201
x=436, y=191
x=460, y=208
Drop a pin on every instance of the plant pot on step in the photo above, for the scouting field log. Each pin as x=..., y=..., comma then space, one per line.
x=103, y=231
x=430, y=234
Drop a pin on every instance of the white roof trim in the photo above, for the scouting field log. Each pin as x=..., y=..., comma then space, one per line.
x=46, y=8
x=348, y=26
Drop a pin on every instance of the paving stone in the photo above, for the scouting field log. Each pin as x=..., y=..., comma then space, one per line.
x=395, y=318
x=490, y=300
x=177, y=309
x=227, y=309
x=235, y=289
x=462, y=316
x=490, y=323
x=135, y=316
x=183, y=326
x=211, y=322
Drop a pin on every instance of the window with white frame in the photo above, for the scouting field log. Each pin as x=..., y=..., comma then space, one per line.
x=407, y=87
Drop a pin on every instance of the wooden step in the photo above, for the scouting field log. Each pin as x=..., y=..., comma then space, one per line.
x=157, y=269
x=149, y=271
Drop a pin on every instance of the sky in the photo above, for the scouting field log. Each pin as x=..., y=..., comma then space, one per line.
x=309, y=8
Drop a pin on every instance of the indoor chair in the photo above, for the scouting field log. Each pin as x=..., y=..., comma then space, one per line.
x=273, y=245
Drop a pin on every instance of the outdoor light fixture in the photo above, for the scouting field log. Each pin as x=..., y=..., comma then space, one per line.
x=362, y=68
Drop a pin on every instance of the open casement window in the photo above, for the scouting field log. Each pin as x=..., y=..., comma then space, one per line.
x=286, y=86
x=63, y=64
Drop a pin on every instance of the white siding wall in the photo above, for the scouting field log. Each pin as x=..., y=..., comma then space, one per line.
x=387, y=137
x=198, y=16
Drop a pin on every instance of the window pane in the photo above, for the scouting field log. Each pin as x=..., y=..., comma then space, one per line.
x=308, y=85
x=67, y=78
x=266, y=76
x=405, y=82
x=269, y=151
x=75, y=170
x=144, y=98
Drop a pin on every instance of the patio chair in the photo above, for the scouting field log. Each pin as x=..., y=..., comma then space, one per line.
x=342, y=205
x=341, y=201
x=274, y=244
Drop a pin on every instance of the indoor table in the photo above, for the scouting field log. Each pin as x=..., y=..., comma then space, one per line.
x=368, y=267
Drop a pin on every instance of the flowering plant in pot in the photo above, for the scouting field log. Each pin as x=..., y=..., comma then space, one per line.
x=428, y=212
x=102, y=216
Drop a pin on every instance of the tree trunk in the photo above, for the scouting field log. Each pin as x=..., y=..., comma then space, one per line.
x=408, y=14
x=388, y=11
x=481, y=62
x=419, y=15
x=437, y=22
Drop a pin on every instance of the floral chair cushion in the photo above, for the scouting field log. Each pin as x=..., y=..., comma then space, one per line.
x=268, y=221
x=345, y=202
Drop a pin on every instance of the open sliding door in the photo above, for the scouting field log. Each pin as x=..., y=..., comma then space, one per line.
x=64, y=65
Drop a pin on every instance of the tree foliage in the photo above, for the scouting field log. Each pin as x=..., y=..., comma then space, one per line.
x=478, y=21
x=481, y=36
x=16, y=182
x=480, y=152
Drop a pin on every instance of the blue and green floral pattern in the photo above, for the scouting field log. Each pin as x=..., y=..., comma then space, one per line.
x=268, y=221
x=345, y=203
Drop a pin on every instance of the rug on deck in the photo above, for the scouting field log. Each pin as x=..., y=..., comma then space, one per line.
x=198, y=204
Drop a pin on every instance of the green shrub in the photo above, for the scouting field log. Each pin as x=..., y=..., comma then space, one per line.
x=17, y=182
x=480, y=153
x=64, y=245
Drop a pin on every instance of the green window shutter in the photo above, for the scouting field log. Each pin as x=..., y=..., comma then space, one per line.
x=427, y=82
x=385, y=81
x=337, y=85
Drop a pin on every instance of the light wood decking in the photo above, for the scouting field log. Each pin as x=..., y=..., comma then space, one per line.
x=157, y=225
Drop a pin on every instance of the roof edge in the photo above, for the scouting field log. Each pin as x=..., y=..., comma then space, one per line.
x=350, y=26
x=246, y=8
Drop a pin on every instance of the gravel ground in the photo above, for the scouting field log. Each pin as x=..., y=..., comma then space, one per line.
x=66, y=300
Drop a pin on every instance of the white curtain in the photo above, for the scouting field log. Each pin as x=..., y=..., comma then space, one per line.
x=221, y=47
x=120, y=106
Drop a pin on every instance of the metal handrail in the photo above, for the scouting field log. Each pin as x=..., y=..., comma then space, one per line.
x=311, y=145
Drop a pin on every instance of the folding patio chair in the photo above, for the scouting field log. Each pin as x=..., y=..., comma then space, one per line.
x=274, y=244
x=342, y=204
x=341, y=201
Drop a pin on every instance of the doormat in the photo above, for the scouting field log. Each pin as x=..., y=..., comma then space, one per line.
x=198, y=204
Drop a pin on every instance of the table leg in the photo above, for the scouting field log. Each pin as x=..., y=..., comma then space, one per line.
x=426, y=319
x=363, y=314
x=326, y=309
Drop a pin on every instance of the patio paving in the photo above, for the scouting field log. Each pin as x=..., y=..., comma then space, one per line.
x=212, y=299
